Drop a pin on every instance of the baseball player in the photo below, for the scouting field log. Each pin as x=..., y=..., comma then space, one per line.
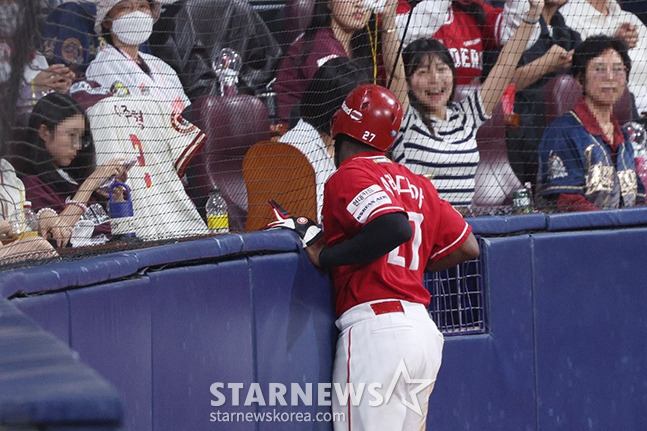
x=383, y=227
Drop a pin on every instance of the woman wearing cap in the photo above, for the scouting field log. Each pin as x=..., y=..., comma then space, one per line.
x=125, y=25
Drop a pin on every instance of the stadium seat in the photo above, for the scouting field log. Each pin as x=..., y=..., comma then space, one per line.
x=495, y=179
x=279, y=171
x=561, y=94
x=191, y=33
x=623, y=108
x=298, y=14
x=232, y=125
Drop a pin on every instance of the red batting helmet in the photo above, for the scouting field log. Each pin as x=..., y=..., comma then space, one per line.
x=371, y=114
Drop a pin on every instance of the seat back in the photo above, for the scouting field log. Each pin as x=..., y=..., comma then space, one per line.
x=623, y=108
x=495, y=180
x=560, y=95
x=298, y=15
x=232, y=125
x=279, y=171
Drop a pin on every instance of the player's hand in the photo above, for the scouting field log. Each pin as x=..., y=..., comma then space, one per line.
x=314, y=251
x=629, y=33
x=308, y=231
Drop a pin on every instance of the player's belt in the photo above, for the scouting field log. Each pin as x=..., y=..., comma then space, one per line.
x=387, y=307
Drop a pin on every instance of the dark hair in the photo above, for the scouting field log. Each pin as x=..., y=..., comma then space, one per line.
x=415, y=54
x=51, y=111
x=322, y=18
x=593, y=47
x=327, y=90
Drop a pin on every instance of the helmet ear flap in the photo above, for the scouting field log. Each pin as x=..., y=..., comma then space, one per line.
x=370, y=114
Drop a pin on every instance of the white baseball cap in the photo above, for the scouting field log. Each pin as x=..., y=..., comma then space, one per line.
x=105, y=6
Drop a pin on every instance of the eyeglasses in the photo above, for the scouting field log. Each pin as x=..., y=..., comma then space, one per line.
x=615, y=70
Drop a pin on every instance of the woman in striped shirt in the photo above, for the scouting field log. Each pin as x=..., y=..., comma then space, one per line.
x=438, y=137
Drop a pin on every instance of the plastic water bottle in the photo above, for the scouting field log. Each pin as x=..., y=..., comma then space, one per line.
x=31, y=219
x=24, y=222
x=227, y=68
x=217, y=215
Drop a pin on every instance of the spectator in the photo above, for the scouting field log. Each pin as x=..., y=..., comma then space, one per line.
x=121, y=66
x=325, y=93
x=468, y=28
x=62, y=180
x=549, y=56
x=586, y=161
x=336, y=30
x=594, y=17
x=438, y=137
x=12, y=199
x=39, y=78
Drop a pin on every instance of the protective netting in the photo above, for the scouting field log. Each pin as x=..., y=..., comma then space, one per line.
x=235, y=96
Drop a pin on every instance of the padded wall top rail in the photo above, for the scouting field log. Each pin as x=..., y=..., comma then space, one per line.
x=503, y=225
x=43, y=383
x=114, y=266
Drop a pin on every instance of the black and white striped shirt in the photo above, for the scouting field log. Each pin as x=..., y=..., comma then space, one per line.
x=449, y=155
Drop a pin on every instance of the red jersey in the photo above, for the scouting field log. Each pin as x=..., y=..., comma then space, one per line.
x=466, y=39
x=367, y=186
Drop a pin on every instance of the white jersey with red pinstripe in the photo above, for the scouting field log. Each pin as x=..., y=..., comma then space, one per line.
x=162, y=143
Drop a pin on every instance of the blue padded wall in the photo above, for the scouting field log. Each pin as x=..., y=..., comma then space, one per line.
x=201, y=334
x=111, y=329
x=294, y=331
x=49, y=311
x=565, y=348
x=44, y=386
x=591, y=330
x=486, y=382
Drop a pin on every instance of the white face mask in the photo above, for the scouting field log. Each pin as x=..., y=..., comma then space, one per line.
x=134, y=28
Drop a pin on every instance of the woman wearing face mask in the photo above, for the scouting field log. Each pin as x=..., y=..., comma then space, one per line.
x=438, y=137
x=62, y=179
x=126, y=24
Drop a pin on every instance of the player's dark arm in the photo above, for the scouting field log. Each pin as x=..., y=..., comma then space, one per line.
x=468, y=250
x=376, y=239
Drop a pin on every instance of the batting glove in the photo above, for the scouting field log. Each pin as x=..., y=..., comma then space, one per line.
x=308, y=231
